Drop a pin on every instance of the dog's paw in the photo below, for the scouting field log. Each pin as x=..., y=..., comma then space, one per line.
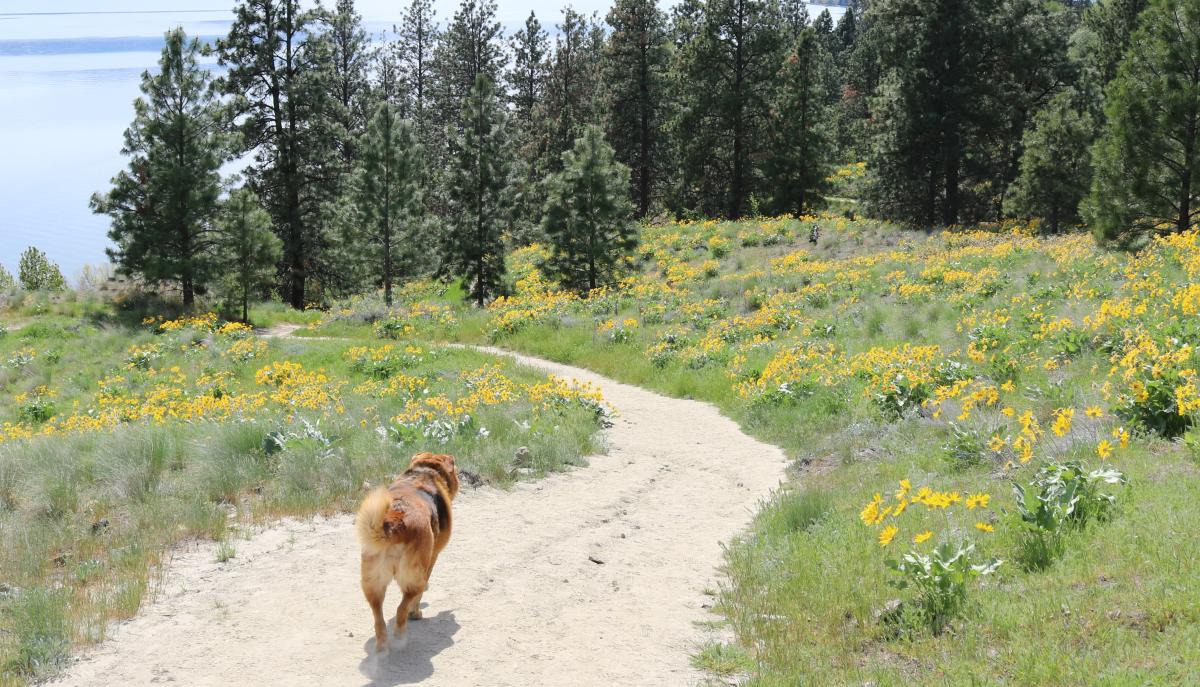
x=398, y=643
x=415, y=614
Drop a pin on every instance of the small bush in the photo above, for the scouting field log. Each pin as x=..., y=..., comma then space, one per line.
x=940, y=580
x=37, y=621
x=1065, y=498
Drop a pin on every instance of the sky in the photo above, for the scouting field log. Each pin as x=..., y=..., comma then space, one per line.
x=508, y=10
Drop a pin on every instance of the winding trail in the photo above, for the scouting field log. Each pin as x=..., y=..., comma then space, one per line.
x=516, y=599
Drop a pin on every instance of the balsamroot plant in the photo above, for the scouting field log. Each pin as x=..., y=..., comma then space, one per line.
x=1062, y=499
x=939, y=580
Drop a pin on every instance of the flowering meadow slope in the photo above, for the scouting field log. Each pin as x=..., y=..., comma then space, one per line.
x=117, y=443
x=995, y=460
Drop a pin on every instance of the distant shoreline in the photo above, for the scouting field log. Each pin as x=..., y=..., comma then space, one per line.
x=58, y=14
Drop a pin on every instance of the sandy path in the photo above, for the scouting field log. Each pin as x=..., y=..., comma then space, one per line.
x=514, y=600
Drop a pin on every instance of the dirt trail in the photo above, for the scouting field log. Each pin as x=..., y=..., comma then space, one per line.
x=514, y=599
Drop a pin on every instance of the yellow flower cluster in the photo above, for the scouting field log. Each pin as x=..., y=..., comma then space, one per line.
x=885, y=512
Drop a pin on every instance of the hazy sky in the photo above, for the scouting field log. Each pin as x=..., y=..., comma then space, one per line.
x=509, y=10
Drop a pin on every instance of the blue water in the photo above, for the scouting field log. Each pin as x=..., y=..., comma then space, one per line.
x=69, y=74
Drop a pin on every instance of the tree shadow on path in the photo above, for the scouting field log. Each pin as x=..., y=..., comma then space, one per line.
x=414, y=662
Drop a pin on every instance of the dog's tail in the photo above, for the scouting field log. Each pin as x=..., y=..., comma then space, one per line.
x=376, y=520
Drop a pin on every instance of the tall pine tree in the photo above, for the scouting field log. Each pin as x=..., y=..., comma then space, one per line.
x=1147, y=161
x=279, y=79
x=931, y=104
x=729, y=71
x=417, y=38
x=635, y=80
x=572, y=92
x=388, y=197
x=469, y=48
x=480, y=169
x=350, y=55
x=799, y=156
x=1055, y=166
x=526, y=79
x=163, y=206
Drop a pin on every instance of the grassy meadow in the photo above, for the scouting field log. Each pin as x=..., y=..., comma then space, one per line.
x=120, y=440
x=916, y=379
x=994, y=459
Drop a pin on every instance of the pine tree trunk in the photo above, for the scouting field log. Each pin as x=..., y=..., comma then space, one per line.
x=387, y=223
x=189, y=293
x=644, y=142
x=1189, y=152
x=737, y=184
x=953, y=157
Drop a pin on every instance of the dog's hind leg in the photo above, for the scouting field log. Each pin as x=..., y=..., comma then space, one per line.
x=375, y=589
x=412, y=596
x=414, y=610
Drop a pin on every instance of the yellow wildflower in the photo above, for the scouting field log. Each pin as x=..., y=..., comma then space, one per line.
x=887, y=535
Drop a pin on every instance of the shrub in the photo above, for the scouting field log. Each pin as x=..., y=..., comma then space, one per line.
x=36, y=406
x=37, y=273
x=1066, y=497
x=940, y=580
x=37, y=619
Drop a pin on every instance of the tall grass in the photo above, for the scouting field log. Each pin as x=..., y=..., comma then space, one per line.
x=87, y=519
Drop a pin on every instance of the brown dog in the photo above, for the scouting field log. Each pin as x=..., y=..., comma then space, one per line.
x=403, y=528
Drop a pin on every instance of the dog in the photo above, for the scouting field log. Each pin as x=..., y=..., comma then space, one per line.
x=402, y=529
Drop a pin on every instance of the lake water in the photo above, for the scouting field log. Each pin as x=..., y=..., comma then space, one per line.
x=68, y=77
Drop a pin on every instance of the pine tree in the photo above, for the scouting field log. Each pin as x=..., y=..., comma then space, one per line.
x=417, y=38
x=279, y=77
x=588, y=216
x=162, y=207
x=1147, y=166
x=350, y=61
x=1029, y=45
x=859, y=74
x=248, y=251
x=388, y=197
x=635, y=79
x=1055, y=166
x=693, y=143
x=527, y=92
x=799, y=153
x=824, y=27
x=527, y=77
x=729, y=70
x=1108, y=27
x=795, y=19
x=37, y=273
x=847, y=28
x=934, y=99
x=474, y=246
x=469, y=48
x=573, y=85
x=7, y=283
